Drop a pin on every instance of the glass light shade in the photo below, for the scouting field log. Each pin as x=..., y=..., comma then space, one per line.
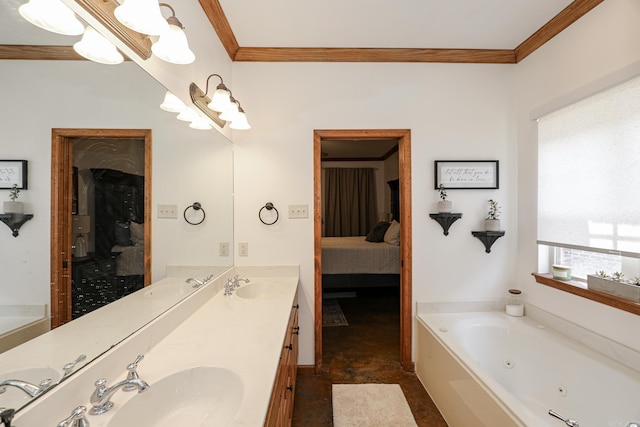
x=52, y=15
x=173, y=47
x=240, y=122
x=230, y=113
x=172, y=103
x=221, y=99
x=188, y=115
x=96, y=47
x=143, y=16
x=200, y=123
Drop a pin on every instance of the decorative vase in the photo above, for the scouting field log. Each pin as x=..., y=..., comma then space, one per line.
x=613, y=287
x=492, y=225
x=444, y=206
x=13, y=207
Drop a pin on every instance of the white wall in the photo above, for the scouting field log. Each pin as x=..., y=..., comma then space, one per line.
x=605, y=40
x=187, y=165
x=454, y=111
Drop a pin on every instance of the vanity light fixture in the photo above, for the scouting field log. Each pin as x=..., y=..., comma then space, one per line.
x=187, y=115
x=172, y=103
x=240, y=122
x=221, y=98
x=200, y=123
x=230, y=113
x=143, y=16
x=172, y=46
x=222, y=108
x=95, y=47
x=52, y=15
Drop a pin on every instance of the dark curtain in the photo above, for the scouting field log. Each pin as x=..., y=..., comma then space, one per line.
x=351, y=206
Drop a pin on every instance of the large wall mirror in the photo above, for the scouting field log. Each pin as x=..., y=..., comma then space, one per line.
x=187, y=166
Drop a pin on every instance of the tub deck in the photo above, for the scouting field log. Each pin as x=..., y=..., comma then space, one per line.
x=19, y=324
x=490, y=369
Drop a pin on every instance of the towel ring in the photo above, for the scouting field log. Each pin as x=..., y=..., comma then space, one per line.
x=196, y=207
x=269, y=206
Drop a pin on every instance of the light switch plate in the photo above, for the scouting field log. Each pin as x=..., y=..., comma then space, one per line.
x=298, y=211
x=168, y=211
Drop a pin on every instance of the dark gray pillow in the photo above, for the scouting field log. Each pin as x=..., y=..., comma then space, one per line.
x=123, y=234
x=377, y=232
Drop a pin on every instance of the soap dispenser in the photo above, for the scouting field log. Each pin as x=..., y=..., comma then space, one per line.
x=514, y=306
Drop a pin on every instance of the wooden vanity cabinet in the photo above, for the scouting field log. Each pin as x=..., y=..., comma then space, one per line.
x=284, y=389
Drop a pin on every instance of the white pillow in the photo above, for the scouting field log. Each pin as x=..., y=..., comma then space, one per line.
x=392, y=236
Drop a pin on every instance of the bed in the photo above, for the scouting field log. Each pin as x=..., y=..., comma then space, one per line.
x=119, y=212
x=357, y=262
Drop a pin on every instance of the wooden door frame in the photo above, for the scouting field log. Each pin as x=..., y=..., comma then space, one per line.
x=404, y=169
x=61, y=197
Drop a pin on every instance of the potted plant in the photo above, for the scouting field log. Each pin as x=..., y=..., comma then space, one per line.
x=615, y=285
x=444, y=205
x=13, y=207
x=492, y=222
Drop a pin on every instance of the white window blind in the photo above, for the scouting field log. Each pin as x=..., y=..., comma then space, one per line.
x=589, y=173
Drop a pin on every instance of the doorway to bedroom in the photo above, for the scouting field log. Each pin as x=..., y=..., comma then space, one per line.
x=100, y=218
x=389, y=223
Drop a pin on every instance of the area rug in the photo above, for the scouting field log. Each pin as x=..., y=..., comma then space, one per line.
x=332, y=314
x=370, y=405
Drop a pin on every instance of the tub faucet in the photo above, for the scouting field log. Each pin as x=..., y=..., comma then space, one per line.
x=31, y=389
x=101, y=397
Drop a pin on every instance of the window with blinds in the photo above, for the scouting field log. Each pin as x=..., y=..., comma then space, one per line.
x=589, y=174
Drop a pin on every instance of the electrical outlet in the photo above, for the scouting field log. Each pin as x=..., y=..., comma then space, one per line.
x=168, y=211
x=224, y=248
x=298, y=211
x=243, y=249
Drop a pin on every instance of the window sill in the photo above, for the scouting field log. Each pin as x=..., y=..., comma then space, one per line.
x=580, y=289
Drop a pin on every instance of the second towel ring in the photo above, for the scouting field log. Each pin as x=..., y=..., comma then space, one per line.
x=196, y=207
x=268, y=206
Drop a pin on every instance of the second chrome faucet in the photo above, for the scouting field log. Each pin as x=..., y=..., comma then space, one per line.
x=101, y=397
x=233, y=284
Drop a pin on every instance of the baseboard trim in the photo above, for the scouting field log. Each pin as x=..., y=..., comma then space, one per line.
x=306, y=369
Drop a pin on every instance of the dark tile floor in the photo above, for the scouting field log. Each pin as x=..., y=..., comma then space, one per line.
x=366, y=351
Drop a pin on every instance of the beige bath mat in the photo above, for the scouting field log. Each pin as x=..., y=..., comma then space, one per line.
x=370, y=405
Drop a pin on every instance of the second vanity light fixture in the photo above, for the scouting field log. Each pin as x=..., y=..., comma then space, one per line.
x=222, y=107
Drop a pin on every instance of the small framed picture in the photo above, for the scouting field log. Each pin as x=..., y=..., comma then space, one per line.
x=13, y=172
x=470, y=174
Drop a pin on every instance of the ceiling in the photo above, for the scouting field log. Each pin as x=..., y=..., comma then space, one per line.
x=488, y=31
x=468, y=31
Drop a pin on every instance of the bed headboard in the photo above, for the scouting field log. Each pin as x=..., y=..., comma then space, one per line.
x=119, y=197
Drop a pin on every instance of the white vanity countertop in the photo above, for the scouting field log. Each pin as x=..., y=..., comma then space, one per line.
x=209, y=329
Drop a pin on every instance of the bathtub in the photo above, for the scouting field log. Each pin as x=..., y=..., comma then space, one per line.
x=490, y=369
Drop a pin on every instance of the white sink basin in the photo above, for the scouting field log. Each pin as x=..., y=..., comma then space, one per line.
x=166, y=290
x=203, y=396
x=260, y=290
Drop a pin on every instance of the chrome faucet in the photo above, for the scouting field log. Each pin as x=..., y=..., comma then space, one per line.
x=233, y=284
x=76, y=419
x=101, y=397
x=197, y=283
x=31, y=389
